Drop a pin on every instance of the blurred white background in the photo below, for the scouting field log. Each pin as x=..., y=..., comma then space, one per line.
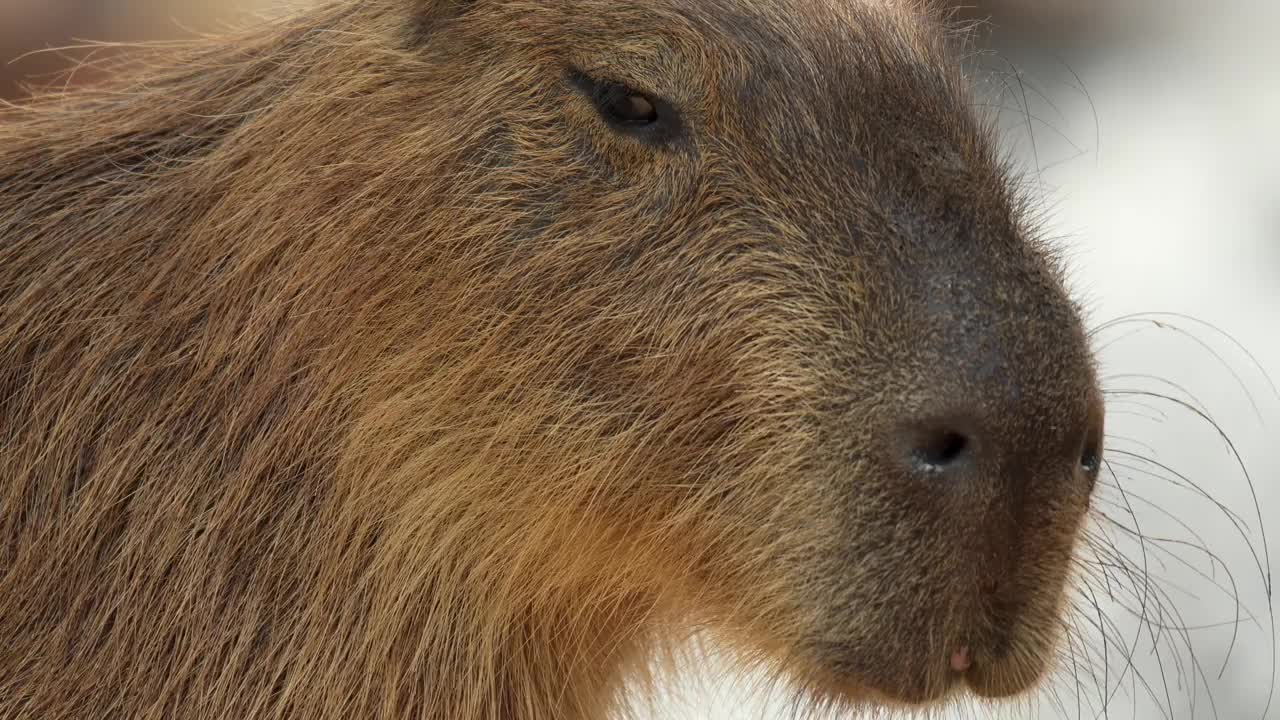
x=1149, y=128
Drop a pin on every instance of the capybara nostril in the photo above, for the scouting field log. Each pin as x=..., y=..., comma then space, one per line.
x=937, y=448
x=1091, y=458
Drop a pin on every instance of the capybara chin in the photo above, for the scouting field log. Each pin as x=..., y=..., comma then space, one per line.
x=444, y=359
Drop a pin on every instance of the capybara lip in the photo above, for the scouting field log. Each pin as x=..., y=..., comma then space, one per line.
x=928, y=681
x=1004, y=679
x=961, y=659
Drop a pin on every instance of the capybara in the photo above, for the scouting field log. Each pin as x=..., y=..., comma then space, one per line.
x=448, y=358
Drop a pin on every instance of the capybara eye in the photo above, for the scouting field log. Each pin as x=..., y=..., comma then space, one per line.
x=626, y=109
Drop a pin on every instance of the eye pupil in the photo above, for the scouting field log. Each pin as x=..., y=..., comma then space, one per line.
x=627, y=107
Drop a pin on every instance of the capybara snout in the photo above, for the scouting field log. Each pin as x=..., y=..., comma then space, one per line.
x=444, y=358
x=890, y=323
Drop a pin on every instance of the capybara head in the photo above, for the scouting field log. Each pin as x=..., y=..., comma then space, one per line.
x=581, y=318
x=766, y=266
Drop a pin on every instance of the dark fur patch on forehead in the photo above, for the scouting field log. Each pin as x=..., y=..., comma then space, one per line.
x=826, y=55
x=750, y=29
x=830, y=84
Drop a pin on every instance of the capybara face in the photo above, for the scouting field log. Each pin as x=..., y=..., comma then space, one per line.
x=765, y=252
x=446, y=350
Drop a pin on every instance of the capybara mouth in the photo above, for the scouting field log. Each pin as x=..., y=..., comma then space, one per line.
x=927, y=680
x=935, y=680
x=1004, y=666
x=1000, y=680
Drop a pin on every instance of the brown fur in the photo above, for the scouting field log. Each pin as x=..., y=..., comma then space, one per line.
x=353, y=367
